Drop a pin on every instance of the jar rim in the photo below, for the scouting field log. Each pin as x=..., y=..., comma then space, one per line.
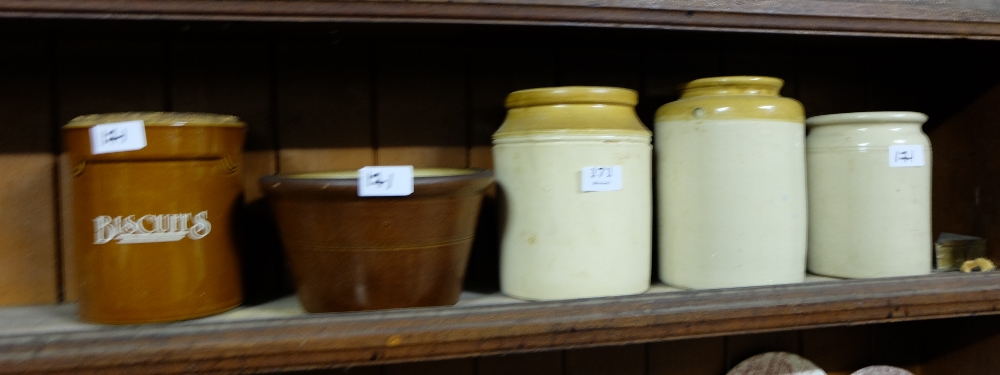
x=572, y=95
x=157, y=119
x=867, y=117
x=733, y=81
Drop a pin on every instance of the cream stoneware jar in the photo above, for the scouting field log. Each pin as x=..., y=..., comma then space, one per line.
x=869, y=195
x=731, y=185
x=559, y=241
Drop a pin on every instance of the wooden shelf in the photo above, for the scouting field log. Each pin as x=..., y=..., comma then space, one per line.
x=978, y=19
x=279, y=336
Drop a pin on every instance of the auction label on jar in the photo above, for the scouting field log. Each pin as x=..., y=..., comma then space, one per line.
x=906, y=156
x=606, y=178
x=117, y=137
x=385, y=181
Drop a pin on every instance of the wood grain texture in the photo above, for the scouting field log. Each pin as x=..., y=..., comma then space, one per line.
x=93, y=78
x=29, y=256
x=421, y=106
x=28, y=260
x=542, y=363
x=424, y=334
x=741, y=347
x=608, y=360
x=325, y=106
x=706, y=356
x=921, y=18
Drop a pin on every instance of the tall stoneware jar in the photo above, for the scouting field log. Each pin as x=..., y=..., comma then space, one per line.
x=869, y=195
x=153, y=202
x=731, y=185
x=573, y=167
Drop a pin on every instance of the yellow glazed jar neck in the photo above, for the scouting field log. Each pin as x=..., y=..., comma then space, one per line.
x=575, y=110
x=732, y=98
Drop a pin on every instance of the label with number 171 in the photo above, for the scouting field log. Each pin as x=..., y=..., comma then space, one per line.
x=601, y=178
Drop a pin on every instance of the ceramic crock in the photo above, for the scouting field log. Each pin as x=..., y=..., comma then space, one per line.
x=153, y=227
x=869, y=195
x=731, y=185
x=557, y=240
x=352, y=253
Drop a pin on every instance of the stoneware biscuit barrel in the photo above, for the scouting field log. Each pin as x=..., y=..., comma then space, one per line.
x=153, y=198
x=351, y=253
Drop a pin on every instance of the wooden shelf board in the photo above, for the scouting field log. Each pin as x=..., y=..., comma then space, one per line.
x=279, y=336
x=979, y=19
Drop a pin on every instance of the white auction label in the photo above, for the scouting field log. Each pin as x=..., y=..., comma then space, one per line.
x=385, y=181
x=117, y=137
x=607, y=178
x=906, y=156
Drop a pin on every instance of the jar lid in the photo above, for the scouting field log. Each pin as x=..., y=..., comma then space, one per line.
x=157, y=119
x=867, y=118
x=572, y=95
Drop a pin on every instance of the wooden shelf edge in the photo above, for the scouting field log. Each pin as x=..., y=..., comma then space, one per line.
x=786, y=16
x=325, y=340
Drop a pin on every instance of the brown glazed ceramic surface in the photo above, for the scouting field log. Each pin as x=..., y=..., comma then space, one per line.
x=363, y=253
x=182, y=189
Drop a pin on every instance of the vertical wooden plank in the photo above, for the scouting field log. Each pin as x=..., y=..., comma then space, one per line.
x=601, y=67
x=324, y=107
x=361, y=370
x=543, y=363
x=233, y=77
x=421, y=106
x=28, y=243
x=465, y=366
x=839, y=350
x=741, y=347
x=899, y=344
x=610, y=360
x=832, y=82
x=496, y=72
x=966, y=193
x=102, y=76
x=688, y=357
x=961, y=346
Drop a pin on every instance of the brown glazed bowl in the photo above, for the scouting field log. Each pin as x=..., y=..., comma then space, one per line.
x=351, y=253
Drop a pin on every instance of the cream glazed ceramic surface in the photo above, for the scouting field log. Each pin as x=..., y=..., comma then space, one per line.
x=867, y=218
x=557, y=241
x=731, y=185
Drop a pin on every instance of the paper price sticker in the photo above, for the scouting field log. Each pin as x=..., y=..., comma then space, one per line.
x=606, y=178
x=385, y=181
x=117, y=137
x=906, y=156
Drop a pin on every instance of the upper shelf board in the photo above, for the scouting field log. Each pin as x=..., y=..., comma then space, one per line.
x=975, y=19
x=279, y=336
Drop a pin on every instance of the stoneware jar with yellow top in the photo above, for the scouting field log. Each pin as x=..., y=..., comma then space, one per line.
x=573, y=167
x=153, y=202
x=731, y=185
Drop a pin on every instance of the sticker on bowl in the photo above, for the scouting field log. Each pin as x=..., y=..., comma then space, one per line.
x=385, y=181
x=906, y=156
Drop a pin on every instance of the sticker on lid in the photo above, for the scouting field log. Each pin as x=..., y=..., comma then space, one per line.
x=117, y=137
x=385, y=181
x=606, y=178
x=906, y=156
